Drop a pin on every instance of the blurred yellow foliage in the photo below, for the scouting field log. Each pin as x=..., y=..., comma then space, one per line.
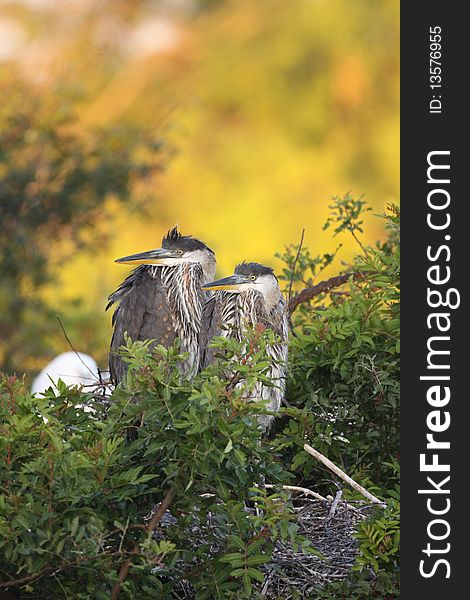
x=267, y=109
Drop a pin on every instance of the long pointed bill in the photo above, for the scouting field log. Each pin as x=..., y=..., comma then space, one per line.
x=232, y=283
x=152, y=257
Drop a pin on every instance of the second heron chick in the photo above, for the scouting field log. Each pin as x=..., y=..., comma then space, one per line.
x=249, y=297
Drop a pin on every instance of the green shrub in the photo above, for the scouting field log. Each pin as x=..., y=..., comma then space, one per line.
x=75, y=495
x=344, y=386
x=77, y=499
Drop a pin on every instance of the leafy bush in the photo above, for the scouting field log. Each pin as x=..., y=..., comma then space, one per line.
x=77, y=516
x=75, y=495
x=344, y=383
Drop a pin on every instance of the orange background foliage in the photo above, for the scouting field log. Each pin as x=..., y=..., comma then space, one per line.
x=265, y=110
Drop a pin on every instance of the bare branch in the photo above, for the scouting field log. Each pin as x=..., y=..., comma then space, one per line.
x=360, y=244
x=123, y=573
x=324, y=286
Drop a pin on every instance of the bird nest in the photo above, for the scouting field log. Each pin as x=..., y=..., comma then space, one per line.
x=331, y=534
x=328, y=527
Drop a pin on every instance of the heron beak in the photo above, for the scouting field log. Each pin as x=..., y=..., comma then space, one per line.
x=152, y=257
x=232, y=283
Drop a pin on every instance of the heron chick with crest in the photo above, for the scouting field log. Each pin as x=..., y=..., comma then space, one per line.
x=162, y=299
x=249, y=297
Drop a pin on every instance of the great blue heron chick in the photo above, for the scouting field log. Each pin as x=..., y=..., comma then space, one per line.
x=251, y=296
x=162, y=300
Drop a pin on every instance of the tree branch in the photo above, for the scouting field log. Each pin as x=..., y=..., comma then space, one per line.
x=151, y=525
x=158, y=514
x=123, y=573
x=324, y=286
x=54, y=569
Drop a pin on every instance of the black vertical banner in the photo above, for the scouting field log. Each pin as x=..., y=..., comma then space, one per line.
x=435, y=316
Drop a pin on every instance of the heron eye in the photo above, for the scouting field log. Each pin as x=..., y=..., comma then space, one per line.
x=253, y=277
x=179, y=252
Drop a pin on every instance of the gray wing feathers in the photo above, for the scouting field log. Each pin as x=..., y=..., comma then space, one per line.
x=142, y=312
x=210, y=328
x=277, y=320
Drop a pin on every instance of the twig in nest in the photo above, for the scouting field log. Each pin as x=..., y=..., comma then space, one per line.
x=350, y=506
x=302, y=490
x=307, y=492
x=266, y=583
x=327, y=462
x=334, y=505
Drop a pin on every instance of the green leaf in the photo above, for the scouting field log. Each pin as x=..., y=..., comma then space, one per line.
x=237, y=572
x=256, y=574
x=74, y=526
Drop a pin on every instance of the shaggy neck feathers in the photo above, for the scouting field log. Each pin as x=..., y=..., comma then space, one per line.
x=185, y=300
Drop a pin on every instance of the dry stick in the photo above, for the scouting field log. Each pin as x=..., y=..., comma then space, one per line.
x=302, y=490
x=334, y=504
x=324, y=286
x=327, y=462
x=266, y=583
x=350, y=506
x=307, y=492
x=154, y=521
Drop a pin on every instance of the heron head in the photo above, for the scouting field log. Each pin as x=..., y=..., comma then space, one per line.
x=176, y=250
x=249, y=276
